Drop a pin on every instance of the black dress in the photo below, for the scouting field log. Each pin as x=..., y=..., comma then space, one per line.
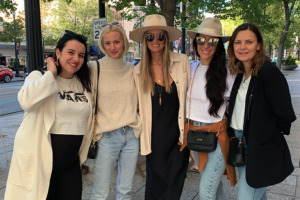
x=166, y=166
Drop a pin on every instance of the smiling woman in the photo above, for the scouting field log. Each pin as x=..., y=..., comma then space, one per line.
x=55, y=135
x=260, y=112
x=118, y=124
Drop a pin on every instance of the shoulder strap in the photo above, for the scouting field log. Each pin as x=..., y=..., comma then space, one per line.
x=98, y=74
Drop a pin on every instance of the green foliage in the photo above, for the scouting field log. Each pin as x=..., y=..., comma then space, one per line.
x=13, y=31
x=289, y=61
x=7, y=7
x=193, y=14
x=76, y=16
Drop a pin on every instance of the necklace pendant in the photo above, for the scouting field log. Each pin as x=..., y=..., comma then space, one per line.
x=159, y=101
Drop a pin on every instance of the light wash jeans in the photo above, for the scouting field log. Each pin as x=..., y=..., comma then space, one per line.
x=121, y=145
x=211, y=186
x=246, y=192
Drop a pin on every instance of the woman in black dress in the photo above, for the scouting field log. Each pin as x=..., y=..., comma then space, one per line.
x=162, y=78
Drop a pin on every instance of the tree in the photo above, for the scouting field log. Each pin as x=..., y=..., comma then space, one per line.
x=13, y=31
x=289, y=10
x=76, y=16
x=170, y=9
x=267, y=15
x=7, y=6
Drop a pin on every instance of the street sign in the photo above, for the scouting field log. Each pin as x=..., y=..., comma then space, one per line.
x=97, y=27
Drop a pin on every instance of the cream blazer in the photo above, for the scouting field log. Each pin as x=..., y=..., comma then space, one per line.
x=180, y=73
x=31, y=164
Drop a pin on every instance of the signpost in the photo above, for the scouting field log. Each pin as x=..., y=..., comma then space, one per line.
x=97, y=27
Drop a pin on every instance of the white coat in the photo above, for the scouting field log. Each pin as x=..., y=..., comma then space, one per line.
x=31, y=164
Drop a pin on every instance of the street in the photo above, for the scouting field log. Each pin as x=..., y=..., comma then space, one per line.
x=8, y=97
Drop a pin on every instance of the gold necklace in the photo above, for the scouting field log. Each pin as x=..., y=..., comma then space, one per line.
x=159, y=91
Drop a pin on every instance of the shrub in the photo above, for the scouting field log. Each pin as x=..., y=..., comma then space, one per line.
x=289, y=61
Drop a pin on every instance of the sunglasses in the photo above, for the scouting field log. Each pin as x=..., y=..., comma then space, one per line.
x=211, y=42
x=160, y=37
x=72, y=34
x=113, y=24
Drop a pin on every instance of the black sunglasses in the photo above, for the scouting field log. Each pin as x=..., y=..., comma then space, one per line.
x=72, y=34
x=160, y=37
x=211, y=42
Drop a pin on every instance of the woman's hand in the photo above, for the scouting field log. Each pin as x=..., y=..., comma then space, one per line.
x=52, y=66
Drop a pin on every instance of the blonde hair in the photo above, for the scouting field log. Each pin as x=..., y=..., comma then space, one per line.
x=112, y=28
x=147, y=76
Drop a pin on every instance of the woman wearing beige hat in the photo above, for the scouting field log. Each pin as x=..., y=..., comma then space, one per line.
x=209, y=89
x=162, y=78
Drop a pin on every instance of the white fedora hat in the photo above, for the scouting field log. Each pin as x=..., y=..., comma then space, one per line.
x=210, y=26
x=154, y=22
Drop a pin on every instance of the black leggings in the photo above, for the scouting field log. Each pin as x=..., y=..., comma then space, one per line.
x=66, y=179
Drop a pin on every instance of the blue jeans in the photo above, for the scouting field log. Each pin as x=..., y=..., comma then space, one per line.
x=211, y=186
x=119, y=145
x=246, y=192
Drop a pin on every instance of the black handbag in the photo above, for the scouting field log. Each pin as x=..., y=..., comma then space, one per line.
x=236, y=155
x=201, y=141
x=92, y=153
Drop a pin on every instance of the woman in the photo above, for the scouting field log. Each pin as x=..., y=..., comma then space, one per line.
x=208, y=92
x=118, y=125
x=261, y=111
x=56, y=127
x=162, y=79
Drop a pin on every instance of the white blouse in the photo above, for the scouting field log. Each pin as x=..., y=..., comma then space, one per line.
x=237, y=120
x=199, y=101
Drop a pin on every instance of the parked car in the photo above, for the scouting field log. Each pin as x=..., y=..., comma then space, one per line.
x=136, y=61
x=6, y=74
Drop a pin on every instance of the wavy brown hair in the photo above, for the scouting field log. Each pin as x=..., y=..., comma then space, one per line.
x=257, y=61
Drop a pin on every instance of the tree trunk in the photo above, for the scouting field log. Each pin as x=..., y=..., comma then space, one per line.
x=288, y=11
x=168, y=8
x=269, y=49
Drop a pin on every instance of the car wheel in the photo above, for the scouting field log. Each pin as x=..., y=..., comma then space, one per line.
x=7, y=78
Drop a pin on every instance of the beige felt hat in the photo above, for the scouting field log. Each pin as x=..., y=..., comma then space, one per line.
x=154, y=22
x=210, y=26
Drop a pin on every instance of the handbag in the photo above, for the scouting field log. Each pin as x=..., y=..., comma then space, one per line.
x=197, y=140
x=201, y=141
x=92, y=153
x=236, y=155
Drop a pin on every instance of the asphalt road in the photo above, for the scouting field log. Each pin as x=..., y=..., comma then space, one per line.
x=8, y=97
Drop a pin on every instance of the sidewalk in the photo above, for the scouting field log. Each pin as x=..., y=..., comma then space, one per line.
x=289, y=189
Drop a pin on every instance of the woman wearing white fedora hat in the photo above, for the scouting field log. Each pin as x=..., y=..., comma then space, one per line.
x=162, y=78
x=208, y=92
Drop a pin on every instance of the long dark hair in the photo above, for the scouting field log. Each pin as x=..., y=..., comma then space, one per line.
x=83, y=74
x=216, y=75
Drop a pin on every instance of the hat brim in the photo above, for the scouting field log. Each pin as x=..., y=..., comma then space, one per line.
x=193, y=34
x=137, y=34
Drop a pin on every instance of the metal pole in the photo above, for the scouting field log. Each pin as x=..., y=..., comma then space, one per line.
x=16, y=51
x=101, y=15
x=33, y=35
x=183, y=33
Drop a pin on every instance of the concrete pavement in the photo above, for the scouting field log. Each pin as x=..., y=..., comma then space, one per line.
x=289, y=189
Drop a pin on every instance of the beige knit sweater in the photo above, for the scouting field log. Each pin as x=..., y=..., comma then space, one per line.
x=117, y=96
